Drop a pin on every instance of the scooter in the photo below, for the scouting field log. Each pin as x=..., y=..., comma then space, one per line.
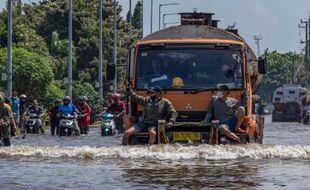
x=108, y=127
x=31, y=121
x=306, y=118
x=66, y=125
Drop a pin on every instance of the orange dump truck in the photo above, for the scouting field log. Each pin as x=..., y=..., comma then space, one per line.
x=195, y=58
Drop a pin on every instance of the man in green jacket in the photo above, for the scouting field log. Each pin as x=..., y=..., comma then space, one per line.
x=6, y=119
x=155, y=108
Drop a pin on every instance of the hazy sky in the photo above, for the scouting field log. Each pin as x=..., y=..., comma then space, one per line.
x=276, y=20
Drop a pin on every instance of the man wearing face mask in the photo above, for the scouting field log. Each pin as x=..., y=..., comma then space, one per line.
x=229, y=111
x=155, y=108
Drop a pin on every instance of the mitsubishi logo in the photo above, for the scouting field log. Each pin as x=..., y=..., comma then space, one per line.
x=188, y=106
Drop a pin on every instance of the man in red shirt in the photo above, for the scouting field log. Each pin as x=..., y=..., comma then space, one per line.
x=117, y=108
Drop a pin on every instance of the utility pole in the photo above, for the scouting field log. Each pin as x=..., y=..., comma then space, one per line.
x=142, y=18
x=70, y=52
x=100, y=52
x=305, y=25
x=257, y=39
x=151, y=16
x=115, y=48
x=308, y=71
x=9, y=65
x=293, y=68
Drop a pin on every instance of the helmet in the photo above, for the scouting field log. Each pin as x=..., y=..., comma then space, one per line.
x=57, y=100
x=116, y=95
x=177, y=82
x=67, y=98
x=22, y=96
x=84, y=98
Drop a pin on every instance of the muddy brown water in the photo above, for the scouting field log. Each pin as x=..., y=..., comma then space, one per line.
x=95, y=162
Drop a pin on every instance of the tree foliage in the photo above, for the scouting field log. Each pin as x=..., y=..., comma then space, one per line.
x=32, y=73
x=137, y=17
x=283, y=68
x=40, y=41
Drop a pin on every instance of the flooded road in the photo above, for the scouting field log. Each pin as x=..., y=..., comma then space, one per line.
x=95, y=162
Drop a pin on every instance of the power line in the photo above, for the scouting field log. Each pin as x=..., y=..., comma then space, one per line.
x=306, y=26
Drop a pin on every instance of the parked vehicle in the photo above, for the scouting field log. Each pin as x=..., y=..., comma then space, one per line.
x=306, y=116
x=287, y=103
x=108, y=127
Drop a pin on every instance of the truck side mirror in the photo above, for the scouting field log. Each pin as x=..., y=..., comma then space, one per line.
x=262, y=64
x=110, y=72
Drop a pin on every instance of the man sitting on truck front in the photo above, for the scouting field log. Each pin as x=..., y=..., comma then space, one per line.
x=229, y=111
x=155, y=108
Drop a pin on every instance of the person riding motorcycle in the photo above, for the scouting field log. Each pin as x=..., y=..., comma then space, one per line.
x=85, y=110
x=68, y=108
x=23, y=108
x=117, y=108
x=6, y=119
x=36, y=109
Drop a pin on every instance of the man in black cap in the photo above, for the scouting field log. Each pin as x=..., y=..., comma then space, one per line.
x=155, y=108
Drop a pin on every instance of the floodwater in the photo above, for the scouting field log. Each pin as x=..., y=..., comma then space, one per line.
x=95, y=162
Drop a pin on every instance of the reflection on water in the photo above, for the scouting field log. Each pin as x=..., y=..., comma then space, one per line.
x=192, y=175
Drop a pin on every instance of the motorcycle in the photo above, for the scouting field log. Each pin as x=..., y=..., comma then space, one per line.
x=306, y=119
x=66, y=125
x=31, y=122
x=108, y=127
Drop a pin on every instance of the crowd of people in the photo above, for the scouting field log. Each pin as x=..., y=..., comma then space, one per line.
x=13, y=112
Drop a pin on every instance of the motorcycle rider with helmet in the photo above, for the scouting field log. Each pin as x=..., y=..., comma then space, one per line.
x=117, y=108
x=23, y=108
x=85, y=110
x=38, y=110
x=68, y=108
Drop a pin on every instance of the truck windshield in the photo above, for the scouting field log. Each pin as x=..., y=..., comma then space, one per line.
x=189, y=68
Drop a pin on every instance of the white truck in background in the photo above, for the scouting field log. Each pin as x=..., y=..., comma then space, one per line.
x=287, y=102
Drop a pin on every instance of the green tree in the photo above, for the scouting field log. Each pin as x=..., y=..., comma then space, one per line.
x=42, y=28
x=32, y=73
x=137, y=16
x=283, y=68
